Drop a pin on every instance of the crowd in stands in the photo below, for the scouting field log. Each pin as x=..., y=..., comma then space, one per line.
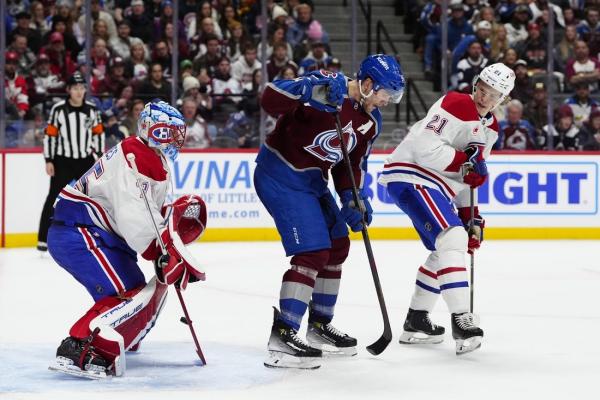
x=218, y=54
x=515, y=32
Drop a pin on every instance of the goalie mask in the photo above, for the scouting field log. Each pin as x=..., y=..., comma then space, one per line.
x=163, y=127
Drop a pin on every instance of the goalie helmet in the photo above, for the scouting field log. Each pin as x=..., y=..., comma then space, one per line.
x=386, y=74
x=163, y=127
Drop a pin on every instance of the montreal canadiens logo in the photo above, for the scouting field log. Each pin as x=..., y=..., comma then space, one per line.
x=326, y=145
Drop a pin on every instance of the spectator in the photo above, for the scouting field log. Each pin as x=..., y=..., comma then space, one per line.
x=200, y=93
x=121, y=105
x=482, y=36
x=565, y=135
x=197, y=131
x=228, y=16
x=15, y=88
x=565, y=49
x=335, y=65
x=316, y=59
x=278, y=36
x=199, y=40
x=34, y=38
x=278, y=60
x=99, y=13
x=155, y=86
x=590, y=25
x=99, y=61
x=224, y=83
x=185, y=69
x=34, y=134
x=287, y=73
x=120, y=45
x=26, y=57
x=499, y=44
x=470, y=67
x=279, y=18
x=515, y=133
x=182, y=45
x=61, y=61
x=100, y=31
x=516, y=29
x=510, y=58
x=43, y=82
x=129, y=125
x=112, y=134
x=166, y=17
x=536, y=111
x=137, y=62
x=533, y=50
x=590, y=132
x=116, y=80
x=161, y=55
x=581, y=104
x=205, y=11
x=296, y=33
x=251, y=107
x=39, y=21
x=523, y=89
x=236, y=41
x=210, y=59
x=141, y=24
x=65, y=27
x=570, y=17
x=243, y=68
x=583, y=68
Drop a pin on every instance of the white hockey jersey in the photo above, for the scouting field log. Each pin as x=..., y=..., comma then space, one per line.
x=428, y=154
x=109, y=197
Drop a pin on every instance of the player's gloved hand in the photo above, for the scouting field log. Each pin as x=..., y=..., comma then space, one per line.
x=178, y=265
x=474, y=169
x=187, y=216
x=354, y=215
x=476, y=232
x=328, y=92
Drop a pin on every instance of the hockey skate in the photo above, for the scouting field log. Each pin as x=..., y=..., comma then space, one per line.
x=418, y=329
x=288, y=350
x=467, y=334
x=325, y=337
x=78, y=358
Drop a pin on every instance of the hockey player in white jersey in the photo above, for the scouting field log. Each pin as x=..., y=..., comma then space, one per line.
x=100, y=225
x=430, y=173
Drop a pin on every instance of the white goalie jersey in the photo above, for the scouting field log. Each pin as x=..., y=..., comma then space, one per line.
x=108, y=195
x=428, y=154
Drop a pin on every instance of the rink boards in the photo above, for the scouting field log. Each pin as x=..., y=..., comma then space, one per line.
x=533, y=195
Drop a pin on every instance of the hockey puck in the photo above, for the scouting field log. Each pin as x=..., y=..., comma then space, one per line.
x=184, y=320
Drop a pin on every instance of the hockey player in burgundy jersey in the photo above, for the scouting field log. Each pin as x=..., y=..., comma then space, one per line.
x=291, y=180
x=429, y=173
x=102, y=222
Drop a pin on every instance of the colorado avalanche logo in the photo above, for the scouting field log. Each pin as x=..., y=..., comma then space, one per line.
x=326, y=145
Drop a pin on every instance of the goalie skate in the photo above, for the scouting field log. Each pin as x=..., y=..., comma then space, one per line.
x=78, y=358
x=288, y=350
x=66, y=366
x=418, y=329
x=467, y=334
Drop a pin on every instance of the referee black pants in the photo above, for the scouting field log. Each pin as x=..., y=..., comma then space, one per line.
x=65, y=170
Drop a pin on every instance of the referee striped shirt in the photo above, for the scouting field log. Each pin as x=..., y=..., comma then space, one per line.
x=73, y=132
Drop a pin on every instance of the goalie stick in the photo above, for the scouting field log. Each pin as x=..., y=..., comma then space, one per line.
x=379, y=346
x=131, y=158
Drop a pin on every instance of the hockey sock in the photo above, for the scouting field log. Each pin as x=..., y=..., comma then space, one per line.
x=427, y=289
x=325, y=293
x=454, y=286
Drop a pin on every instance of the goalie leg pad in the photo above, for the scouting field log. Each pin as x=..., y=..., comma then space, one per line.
x=122, y=321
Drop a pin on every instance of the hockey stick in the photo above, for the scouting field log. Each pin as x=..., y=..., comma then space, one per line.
x=163, y=248
x=379, y=346
x=471, y=225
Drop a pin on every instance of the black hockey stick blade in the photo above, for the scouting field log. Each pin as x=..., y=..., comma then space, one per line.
x=381, y=344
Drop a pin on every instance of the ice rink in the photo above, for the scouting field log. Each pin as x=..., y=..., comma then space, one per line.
x=538, y=302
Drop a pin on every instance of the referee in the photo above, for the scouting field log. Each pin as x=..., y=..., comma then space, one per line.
x=74, y=139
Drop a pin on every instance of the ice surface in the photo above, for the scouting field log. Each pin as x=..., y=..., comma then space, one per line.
x=538, y=302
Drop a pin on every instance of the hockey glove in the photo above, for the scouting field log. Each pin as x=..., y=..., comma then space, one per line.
x=327, y=94
x=353, y=215
x=476, y=232
x=475, y=169
x=188, y=217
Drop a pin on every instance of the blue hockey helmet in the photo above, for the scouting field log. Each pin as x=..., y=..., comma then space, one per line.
x=385, y=72
x=163, y=126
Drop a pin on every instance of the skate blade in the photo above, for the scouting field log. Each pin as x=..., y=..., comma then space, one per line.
x=277, y=359
x=468, y=345
x=70, y=369
x=420, y=338
x=335, y=352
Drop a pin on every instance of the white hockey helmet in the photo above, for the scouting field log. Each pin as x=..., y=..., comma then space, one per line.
x=499, y=77
x=163, y=126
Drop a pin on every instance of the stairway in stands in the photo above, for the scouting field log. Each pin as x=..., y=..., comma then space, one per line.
x=336, y=20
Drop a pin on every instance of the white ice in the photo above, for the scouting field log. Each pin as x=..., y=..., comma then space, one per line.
x=538, y=302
